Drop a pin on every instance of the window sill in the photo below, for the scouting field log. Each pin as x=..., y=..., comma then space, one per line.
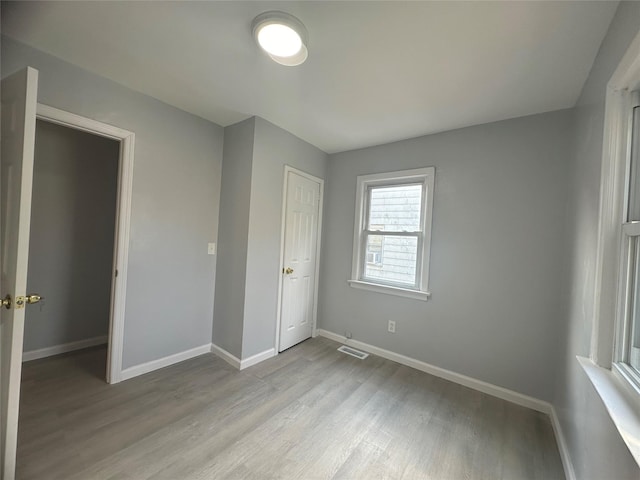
x=621, y=402
x=389, y=290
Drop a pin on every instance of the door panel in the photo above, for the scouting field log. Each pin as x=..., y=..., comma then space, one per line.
x=301, y=237
x=19, y=101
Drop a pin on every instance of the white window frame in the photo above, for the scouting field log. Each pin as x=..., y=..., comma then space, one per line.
x=424, y=176
x=630, y=233
x=615, y=382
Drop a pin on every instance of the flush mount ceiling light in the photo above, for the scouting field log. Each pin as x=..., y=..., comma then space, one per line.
x=282, y=36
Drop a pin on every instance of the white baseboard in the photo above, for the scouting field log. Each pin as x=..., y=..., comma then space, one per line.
x=569, y=472
x=226, y=356
x=164, y=362
x=244, y=363
x=260, y=357
x=485, y=387
x=64, y=348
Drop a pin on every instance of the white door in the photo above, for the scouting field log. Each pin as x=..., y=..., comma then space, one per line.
x=19, y=100
x=300, y=259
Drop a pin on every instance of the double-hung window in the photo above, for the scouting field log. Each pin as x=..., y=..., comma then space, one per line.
x=614, y=364
x=628, y=341
x=392, y=233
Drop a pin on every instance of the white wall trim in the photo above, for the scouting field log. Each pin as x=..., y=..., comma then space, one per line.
x=320, y=181
x=64, y=348
x=255, y=359
x=164, y=362
x=226, y=356
x=481, y=386
x=563, y=447
x=244, y=363
x=123, y=221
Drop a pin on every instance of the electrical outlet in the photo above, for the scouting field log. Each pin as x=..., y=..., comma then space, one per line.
x=392, y=326
x=211, y=249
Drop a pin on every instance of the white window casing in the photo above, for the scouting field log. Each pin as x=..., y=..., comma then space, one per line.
x=414, y=243
x=616, y=296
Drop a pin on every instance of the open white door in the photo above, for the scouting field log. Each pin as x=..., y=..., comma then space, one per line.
x=302, y=220
x=19, y=101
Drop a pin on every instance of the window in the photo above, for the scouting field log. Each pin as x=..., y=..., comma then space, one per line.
x=614, y=364
x=392, y=233
x=627, y=351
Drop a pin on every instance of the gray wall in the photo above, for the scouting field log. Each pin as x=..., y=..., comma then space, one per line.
x=235, y=196
x=176, y=191
x=496, y=252
x=72, y=226
x=255, y=154
x=596, y=448
x=273, y=149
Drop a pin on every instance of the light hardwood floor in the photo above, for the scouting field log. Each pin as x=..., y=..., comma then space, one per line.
x=309, y=413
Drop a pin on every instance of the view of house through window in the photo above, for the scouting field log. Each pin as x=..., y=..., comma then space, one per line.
x=631, y=229
x=633, y=354
x=392, y=254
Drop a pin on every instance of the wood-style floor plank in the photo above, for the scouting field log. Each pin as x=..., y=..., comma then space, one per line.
x=309, y=413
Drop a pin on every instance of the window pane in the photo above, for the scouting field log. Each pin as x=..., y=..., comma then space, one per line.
x=634, y=180
x=395, y=208
x=634, y=320
x=391, y=259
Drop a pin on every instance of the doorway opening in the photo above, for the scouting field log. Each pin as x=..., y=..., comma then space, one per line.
x=73, y=219
x=79, y=237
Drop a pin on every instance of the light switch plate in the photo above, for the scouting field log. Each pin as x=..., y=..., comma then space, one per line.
x=211, y=250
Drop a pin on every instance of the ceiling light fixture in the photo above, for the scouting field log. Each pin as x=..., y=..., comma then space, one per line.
x=282, y=36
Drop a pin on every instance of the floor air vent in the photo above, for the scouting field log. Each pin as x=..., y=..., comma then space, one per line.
x=353, y=352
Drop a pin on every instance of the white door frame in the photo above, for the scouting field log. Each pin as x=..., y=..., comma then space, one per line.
x=283, y=223
x=123, y=217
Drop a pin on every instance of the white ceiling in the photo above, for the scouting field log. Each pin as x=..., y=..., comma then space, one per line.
x=376, y=72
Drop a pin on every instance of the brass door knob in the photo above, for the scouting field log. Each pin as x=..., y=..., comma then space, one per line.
x=33, y=298
x=288, y=270
x=6, y=302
